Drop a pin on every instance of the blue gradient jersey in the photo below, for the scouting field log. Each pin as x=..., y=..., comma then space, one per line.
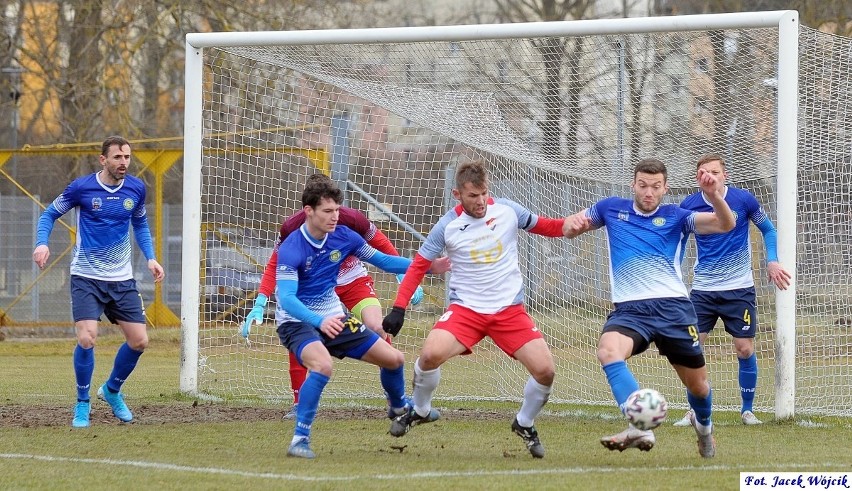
x=104, y=217
x=644, y=250
x=312, y=267
x=724, y=260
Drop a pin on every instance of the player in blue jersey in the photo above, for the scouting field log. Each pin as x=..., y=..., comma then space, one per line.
x=311, y=322
x=723, y=283
x=107, y=204
x=651, y=303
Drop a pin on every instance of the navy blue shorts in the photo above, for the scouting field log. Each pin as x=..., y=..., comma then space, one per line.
x=736, y=308
x=118, y=300
x=668, y=322
x=353, y=341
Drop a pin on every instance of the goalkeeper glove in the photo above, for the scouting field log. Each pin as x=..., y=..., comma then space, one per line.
x=255, y=315
x=392, y=323
x=418, y=293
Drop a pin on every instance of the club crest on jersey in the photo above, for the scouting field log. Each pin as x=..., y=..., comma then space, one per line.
x=97, y=203
x=659, y=221
x=623, y=216
x=490, y=223
x=128, y=204
x=488, y=255
x=334, y=256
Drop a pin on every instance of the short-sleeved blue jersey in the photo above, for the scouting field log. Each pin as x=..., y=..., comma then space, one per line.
x=644, y=249
x=724, y=260
x=104, y=216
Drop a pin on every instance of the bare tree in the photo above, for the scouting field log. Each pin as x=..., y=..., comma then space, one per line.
x=561, y=57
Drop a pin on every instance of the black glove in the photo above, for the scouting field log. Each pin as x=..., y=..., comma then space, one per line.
x=393, y=321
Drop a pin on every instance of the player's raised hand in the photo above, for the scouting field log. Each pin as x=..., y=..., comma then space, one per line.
x=778, y=275
x=711, y=184
x=392, y=322
x=255, y=315
x=332, y=325
x=576, y=224
x=40, y=255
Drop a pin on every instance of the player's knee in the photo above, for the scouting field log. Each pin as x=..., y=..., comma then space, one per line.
x=324, y=367
x=744, y=350
x=745, y=353
x=397, y=360
x=139, y=344
x=698, y=387
x=430, y=360
x=137, y=339
x=85, y=340
x=607, y=355
x=86, y=335
x=544, y=375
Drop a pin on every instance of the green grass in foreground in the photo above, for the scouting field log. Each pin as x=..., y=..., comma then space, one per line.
x=470, y=448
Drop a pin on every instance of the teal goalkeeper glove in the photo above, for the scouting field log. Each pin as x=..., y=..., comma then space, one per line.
x=255, y=315
x=418, y=293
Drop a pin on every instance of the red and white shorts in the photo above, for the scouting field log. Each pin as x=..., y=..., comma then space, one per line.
x=510, y=329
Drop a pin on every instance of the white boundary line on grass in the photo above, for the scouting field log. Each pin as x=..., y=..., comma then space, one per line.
x=421, y=475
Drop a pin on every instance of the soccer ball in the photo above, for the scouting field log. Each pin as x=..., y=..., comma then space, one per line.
x=645, y=409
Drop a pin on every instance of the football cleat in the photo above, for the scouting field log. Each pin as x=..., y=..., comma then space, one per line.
x=530, y=437
x=291, y=414
x=394, y=412
x=81, y=414
x=402, y=423
x=706, y=442
x=301, y=448
x=116, y=402
x=630, y=438
x=750, y=419
x=685, y=420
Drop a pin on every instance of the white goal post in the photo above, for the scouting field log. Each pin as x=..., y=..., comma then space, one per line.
x=561, y=111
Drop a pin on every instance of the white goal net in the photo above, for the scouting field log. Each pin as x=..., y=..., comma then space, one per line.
x=561, y=115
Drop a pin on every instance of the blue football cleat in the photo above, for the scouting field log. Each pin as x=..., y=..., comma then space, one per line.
x=302, y=449
x=116, y=402
x=81, y=415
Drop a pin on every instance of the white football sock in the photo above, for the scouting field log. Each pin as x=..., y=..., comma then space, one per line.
x=425, y=383
x=535, y=396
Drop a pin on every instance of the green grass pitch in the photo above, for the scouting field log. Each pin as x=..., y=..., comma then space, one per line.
x=178, y=442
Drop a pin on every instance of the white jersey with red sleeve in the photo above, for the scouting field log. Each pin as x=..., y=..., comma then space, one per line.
x=485, y=276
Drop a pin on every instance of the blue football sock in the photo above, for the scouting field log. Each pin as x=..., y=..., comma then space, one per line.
x=84, y=366
x=125, y=362
x=702, y=406
x=748, y=381
x=621, y=381
x=393, y=381
x=309, y=398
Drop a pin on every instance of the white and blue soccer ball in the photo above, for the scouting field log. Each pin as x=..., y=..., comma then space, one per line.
x=646, y=409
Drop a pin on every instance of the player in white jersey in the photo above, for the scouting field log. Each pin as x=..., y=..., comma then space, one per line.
x=723, y=283
x=486, y=294
x=107, y=203
x=651, y=302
